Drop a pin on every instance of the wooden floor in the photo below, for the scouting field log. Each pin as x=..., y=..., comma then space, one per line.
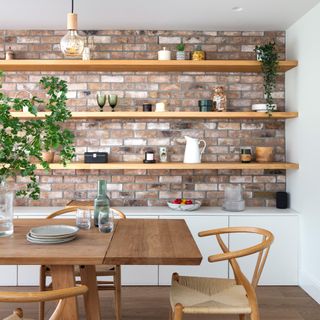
x=146, y=303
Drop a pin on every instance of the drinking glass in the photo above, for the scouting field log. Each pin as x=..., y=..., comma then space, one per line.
x=113, y=100
x=106, y=222
x=83, y=218
x=101, y=100
x=6, y=213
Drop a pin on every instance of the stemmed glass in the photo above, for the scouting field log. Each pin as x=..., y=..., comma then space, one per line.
x=101, y=100
x=113, y=100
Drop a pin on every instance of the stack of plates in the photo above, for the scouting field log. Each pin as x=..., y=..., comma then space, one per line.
x=52, y=234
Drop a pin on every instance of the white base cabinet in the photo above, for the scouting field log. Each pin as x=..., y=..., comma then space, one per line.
x=281, y=267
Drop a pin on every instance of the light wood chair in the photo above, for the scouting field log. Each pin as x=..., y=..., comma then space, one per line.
x=22, y=297
x=101, y=270
x=197, y=295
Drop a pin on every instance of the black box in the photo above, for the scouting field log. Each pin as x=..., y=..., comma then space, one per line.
x=95, y=157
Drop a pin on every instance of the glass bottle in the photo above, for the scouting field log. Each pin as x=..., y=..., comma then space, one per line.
x=101, y=202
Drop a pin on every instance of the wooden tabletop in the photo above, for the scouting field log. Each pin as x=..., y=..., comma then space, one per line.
x=151, y=242
x=88, y=248
x=134, y=241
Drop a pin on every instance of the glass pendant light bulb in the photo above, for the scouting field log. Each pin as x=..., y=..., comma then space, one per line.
x=72, y=44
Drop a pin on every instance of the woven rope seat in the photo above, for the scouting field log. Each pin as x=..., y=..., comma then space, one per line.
x=200, y=295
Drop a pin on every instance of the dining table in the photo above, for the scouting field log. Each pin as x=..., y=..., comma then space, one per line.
x=132, y=242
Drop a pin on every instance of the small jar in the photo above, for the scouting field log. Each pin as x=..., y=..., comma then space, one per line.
x=9, y=54
x=149, y=157
x=198, y=54
x=164, y=54
x=86, y=54
x=246, y=155
x=205, y=105
x=147, y=107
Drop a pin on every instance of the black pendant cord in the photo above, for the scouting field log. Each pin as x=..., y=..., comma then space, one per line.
x=72, y=6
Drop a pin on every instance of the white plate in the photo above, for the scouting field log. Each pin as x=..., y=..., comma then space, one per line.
x=49, y=241
x=184, y=207
x=53, y=231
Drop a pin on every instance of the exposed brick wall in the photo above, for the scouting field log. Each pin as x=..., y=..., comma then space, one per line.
x=127, y=140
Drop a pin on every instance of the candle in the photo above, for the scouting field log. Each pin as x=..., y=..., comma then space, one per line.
x=164, y=54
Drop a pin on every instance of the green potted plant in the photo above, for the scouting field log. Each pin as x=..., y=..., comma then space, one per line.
x=269, y=59
x=181, y=55
x=23, y=142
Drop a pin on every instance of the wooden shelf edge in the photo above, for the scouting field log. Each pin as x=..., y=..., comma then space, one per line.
x=175, y=166
x=165, y=115
x=141, y=65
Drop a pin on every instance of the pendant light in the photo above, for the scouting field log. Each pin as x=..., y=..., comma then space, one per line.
x=72, y=44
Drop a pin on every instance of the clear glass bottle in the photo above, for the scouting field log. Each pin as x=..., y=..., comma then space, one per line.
x=101, y=202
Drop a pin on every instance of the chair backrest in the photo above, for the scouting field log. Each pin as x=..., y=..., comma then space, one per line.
x=60, y=295
x=261, y=248
x=115, y=211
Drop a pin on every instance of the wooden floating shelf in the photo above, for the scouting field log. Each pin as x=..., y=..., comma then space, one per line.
x=141, y=65
x=164, y=115
x=174, y=166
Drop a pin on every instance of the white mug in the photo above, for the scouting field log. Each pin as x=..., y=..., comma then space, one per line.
x=160, y=107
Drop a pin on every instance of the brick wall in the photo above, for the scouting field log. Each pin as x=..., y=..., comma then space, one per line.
x=127, y=140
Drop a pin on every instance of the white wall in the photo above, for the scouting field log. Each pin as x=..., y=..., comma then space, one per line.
x=303, y=141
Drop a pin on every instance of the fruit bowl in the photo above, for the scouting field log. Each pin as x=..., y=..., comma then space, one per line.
x=183, y=206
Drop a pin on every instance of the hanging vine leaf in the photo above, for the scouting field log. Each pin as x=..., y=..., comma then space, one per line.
x=22, y=142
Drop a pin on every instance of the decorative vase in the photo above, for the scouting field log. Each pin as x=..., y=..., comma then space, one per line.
x=6, y=210
x=181, y=55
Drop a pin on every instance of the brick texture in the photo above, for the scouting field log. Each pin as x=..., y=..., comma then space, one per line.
x=128, y=140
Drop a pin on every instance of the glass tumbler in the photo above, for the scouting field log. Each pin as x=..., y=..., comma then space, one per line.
x=106, y=222
x=83, y=218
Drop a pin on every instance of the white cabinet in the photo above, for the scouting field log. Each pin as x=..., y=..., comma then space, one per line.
x=140, y=275
x=282, y=263
x=28, y=275
x=207, y=246
x=8, y=275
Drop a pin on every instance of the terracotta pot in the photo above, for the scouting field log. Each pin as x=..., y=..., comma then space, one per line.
x=264, y=154
x=48, y=156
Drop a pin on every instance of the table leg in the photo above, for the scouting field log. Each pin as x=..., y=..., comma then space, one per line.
x=63, y=277
x=91, y=299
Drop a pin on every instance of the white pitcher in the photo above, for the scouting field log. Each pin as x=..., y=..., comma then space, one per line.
x=192, y=153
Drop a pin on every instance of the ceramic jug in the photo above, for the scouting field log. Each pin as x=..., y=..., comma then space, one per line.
x=192, y=153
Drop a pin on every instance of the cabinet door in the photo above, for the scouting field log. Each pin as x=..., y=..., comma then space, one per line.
x=8, y=275
x=140, y=275
x=28, y=275
x=281, y=267
x=207, y=246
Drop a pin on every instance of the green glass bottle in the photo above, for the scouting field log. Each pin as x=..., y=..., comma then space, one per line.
x=101, y=202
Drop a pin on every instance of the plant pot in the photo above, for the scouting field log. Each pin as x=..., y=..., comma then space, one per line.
x=48, y=156
x=264, y=154
x=181, y=55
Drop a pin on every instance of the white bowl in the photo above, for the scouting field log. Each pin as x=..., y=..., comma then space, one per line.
x=184, y=207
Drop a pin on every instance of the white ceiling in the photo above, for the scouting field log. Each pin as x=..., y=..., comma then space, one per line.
x=155, y=14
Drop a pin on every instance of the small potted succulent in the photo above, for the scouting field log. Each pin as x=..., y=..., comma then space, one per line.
x=269, y=59
x=181, y=54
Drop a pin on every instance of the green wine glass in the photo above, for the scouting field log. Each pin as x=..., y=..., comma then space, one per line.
x=113, y=100
x=101, y=100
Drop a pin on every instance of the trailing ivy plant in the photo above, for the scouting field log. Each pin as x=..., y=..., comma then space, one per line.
x=269, y=58
x=23, y=141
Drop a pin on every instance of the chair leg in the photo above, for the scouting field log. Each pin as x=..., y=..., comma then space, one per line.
x=178, y=312
x=117, y=292
x=242, y=317
x=42, y=287
x=170, y=314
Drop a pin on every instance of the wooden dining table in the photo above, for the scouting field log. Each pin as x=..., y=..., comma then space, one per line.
x=133, y=242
